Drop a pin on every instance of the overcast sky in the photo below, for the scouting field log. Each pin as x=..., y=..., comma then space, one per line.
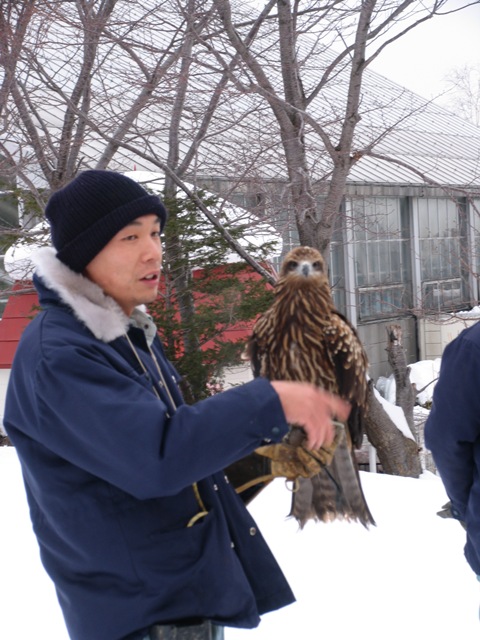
x=421, y=59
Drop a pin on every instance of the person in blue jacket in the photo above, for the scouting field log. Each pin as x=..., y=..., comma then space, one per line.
x=452, y=434
x=137, y=524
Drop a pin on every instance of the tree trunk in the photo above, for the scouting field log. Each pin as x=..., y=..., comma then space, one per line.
x=5, y=441
x=398, y=454
x=405, y=390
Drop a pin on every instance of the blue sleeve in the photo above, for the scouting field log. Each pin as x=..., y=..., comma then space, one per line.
x=452, y=431
x=104, y=422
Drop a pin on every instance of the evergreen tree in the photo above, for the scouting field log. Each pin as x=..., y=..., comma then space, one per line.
x=227, y=295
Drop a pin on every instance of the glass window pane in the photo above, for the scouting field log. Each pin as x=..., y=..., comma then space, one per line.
x=475, y=207
x=440, y=253
x=440, y=249
x=360, y=252
x=381, y=237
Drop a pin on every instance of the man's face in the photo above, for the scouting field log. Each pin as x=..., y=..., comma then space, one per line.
x=128, y=267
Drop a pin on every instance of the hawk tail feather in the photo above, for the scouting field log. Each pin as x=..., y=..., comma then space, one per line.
x=333, y=494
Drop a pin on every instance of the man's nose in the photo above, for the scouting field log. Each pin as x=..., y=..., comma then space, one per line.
x=152, y=249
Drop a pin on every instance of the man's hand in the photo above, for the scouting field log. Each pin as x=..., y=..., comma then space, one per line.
x=313, y=409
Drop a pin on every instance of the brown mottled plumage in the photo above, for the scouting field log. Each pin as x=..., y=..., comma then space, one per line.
x=302, y=337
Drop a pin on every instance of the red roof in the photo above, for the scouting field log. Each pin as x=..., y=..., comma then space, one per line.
x=20, y=309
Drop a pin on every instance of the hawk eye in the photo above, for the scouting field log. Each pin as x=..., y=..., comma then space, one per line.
x=292, y=265
x=317, y=265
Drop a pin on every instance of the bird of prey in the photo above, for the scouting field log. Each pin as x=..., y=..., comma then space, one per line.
x=302, y=337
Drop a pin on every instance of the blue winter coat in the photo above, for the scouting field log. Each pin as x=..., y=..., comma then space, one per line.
x=452, y=433
x=109, y=472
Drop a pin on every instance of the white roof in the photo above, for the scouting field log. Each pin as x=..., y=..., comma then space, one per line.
x=243, y=138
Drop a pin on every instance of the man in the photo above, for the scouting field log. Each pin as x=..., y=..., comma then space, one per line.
x=137, y=524
x=452, y=434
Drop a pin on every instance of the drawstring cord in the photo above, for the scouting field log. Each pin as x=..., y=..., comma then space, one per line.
x=203, y=510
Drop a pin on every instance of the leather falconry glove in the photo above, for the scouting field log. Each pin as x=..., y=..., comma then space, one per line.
x=289, y=459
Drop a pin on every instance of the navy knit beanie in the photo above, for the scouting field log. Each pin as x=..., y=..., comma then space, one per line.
x=86, y=214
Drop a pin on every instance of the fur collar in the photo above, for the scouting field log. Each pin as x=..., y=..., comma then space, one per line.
x=99, y=312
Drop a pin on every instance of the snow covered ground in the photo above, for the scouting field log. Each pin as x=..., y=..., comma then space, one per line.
x=404, y=579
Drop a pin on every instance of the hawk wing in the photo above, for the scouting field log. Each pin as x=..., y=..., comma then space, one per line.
x=350, y=365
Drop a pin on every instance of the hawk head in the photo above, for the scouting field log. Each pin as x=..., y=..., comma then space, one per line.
x=303, y=264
